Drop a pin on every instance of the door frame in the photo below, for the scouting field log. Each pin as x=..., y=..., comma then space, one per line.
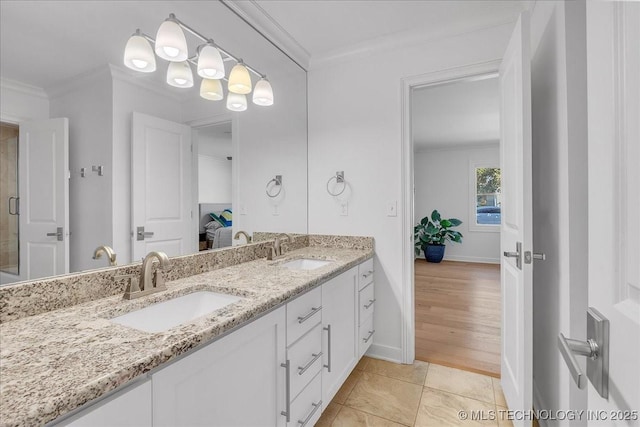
x=466, y=72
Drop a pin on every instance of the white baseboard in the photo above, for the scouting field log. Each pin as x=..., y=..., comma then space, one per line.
x=472, y=259
x=479, y=260
x=539, y=404
x=379, y=351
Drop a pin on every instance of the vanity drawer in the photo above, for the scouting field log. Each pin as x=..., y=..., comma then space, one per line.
x=307, y=407
x=366, y=303
x=305, y=357
x=365, y=337
x=303, y=313
x=365, y=273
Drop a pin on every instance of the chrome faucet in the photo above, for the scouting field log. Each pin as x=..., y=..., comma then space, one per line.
x=276, y=249
x=108, y=251
x=242, y=233
x=149, y=284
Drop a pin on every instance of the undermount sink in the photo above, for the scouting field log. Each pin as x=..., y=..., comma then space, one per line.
x=165, y=315
x=305, y=264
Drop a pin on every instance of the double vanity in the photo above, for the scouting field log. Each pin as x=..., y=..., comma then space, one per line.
x=249, y=341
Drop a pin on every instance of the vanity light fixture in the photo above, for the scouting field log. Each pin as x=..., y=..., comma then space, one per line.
x=211, y=89
x=236, y=102
x=138, y=55
x=179, y=74
x=170, y=44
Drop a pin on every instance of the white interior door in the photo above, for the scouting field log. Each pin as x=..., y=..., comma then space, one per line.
x=161, y=187
x=516, y=228
x=613, y=58
x=43, y=182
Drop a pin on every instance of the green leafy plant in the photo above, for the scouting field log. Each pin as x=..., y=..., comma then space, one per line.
x=435, y=230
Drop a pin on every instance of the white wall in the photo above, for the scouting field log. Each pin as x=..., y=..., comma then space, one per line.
x=559, y=197
x=20, y=102
x=214, y=179
x=87, y=102
x=443, y=182
x=355, y=125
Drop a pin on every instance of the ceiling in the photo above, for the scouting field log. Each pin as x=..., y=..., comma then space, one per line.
x=325, y=27
x=456, y=114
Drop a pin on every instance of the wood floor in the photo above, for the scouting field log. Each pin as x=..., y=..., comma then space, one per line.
x=458, y=315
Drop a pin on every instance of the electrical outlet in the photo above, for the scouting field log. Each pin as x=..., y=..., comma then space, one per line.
x=275, y=211
x=243, y=209
x=344, y=209
x=392, y=208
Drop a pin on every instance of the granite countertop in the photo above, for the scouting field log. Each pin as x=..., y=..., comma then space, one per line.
x=53, y=363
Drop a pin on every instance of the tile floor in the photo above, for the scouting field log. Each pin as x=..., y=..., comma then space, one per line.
x=379, y=393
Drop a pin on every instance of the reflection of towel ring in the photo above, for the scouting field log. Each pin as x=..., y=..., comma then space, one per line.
x=339, y=177
x=277, y=182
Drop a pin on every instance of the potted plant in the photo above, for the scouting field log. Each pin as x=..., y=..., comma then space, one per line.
x=432, y=233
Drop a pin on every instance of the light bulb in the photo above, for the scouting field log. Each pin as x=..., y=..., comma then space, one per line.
x=211, y=89
x=170, y=41
x=239, y=79
x=263, y=93
x=138, y=54
x=236, y=102
x=179, y=74
x=210, y=63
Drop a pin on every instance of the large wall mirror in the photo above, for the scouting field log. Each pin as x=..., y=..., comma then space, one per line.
x=94, y=153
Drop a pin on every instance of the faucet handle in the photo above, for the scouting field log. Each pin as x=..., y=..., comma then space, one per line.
x=158, y=280
x=133, y=284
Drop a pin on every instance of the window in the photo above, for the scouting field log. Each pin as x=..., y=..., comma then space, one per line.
x=486, y=198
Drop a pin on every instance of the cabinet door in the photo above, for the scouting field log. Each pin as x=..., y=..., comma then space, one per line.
x=130, y=407
x=340, y=324
x=235, y=381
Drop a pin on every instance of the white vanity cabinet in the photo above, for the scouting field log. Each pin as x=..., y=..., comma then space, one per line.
x=130, y=407
x=340, y=325
x=235, y=381
x=366, y=306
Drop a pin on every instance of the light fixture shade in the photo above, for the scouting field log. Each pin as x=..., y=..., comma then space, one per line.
x=170, y=42
x=210, y=63
x=211, y=89
x=179, y=74
x=236, y=102
x=239, y=79
x=138, y=54
x=263, y=93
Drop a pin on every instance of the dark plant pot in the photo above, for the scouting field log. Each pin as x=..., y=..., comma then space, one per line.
x=433, y=253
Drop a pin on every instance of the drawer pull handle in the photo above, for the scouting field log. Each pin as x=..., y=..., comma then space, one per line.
x=328, y=365
x=367, y=274
x=306, y=420
x=287, y=413
x=314, y=310
x=371, y=301
x=303, y=369
x=369, y=336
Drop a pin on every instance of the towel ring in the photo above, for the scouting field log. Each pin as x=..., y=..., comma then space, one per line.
x=339, y=177
x=277, y=182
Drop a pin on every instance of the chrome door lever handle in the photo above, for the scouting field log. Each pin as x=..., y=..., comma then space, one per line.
x=511, y=254
x=517, y=255
x=529, y=257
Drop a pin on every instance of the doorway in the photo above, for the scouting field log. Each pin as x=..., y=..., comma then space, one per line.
x=9, y=200
x=457, y=197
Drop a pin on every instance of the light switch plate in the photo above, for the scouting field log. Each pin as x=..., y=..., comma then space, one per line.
x=344, y=209
x=392, y=208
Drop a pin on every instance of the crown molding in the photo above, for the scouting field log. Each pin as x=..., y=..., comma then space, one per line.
x=393, y=41
x=74, y=83
x=138, y=79
x=258, y=18
x=23, y=88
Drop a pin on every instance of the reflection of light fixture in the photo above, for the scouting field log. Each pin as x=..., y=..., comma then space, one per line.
x=262, y=93
x=239, y=79
x=210, y=64
x=138, y=54
x=211, y=89
x=179, y=74
x=171, y=44
x=236, y=102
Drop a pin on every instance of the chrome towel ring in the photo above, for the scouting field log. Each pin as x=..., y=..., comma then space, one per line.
x=277, y=182
x=339, y=177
